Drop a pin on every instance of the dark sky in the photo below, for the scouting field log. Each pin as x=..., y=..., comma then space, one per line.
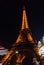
x=11, y=19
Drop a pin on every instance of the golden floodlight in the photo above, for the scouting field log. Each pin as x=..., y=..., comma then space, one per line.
x=24, y=20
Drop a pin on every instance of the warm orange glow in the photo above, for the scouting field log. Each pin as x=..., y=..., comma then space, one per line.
x=20, y=58
x=7, y=56
x=30, y=38
x=36, y=49
x=24, y=25
x=19, y=39
x=24, y=20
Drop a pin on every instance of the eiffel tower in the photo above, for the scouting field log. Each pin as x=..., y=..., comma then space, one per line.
x=25, y=44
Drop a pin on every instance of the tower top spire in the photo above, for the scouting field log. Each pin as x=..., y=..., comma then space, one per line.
x=26, y=27
x=24, y=20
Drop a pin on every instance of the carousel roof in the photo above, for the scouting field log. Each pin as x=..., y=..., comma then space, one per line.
x=3, y=50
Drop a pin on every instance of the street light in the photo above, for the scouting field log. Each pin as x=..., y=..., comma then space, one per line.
x=16, y=52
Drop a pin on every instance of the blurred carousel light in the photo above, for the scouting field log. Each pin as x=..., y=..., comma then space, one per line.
x=41, y=51
x=0, y=63
x=3, y=51
x=43, y=39
x=39, y=44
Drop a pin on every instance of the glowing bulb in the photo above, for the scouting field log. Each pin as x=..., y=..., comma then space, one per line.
x=16, y=51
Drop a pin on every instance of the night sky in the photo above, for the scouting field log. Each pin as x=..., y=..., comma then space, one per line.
x=11, y=19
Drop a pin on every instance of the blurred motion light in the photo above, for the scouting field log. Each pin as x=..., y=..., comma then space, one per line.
x=3, y=51
x=41, y=51
x=39, y=43
x=43, y=38
x=0, y=63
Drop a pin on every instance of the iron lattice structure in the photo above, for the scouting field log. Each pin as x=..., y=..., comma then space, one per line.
x=25, y=44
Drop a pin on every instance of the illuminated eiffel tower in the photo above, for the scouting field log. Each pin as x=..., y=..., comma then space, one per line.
x=23, y=43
